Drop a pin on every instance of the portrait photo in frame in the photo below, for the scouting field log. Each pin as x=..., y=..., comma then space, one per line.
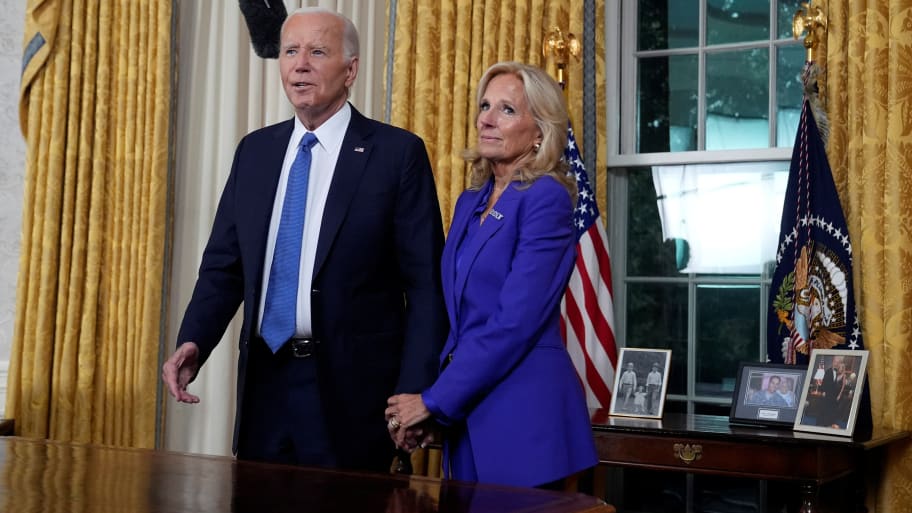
x=640, y=382
x=832, y=390
x=767, y=394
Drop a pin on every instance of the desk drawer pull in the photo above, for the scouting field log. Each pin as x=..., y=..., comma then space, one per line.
x=688, y=453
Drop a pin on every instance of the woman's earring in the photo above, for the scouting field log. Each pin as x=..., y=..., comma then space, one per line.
x=536, y=147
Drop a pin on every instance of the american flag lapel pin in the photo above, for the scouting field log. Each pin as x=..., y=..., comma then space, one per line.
x=359, y=149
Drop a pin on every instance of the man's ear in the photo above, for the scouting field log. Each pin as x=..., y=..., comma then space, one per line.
x=352, y=72
x=264, y=21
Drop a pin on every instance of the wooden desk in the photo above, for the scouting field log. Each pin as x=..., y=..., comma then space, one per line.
x=710, y=445
x=38, y=476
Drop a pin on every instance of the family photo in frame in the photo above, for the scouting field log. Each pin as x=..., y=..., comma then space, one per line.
x=767, y=394
x=832, y=390
x=641, y=382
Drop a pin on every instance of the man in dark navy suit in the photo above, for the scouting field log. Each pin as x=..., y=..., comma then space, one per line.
x=364, y=316
x=834, y=390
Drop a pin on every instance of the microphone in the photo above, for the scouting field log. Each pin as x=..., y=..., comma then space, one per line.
x=264, y=21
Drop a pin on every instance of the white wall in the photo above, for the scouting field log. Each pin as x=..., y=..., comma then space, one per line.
x=12, y=174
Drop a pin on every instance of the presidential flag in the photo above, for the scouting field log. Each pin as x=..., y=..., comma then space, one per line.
x=587, y=319
x=812, y=303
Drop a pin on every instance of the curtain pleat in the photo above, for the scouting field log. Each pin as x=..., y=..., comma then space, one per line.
x=84, y=363
x=869, y=104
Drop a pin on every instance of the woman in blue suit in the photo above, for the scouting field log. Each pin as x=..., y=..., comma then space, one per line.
x=508, y=398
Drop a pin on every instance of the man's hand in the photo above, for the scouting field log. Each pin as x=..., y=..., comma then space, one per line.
x=179, y=370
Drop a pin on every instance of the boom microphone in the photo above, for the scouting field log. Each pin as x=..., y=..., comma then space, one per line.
x=264, y=21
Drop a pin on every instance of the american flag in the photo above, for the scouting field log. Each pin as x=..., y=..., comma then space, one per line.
x=587, y=318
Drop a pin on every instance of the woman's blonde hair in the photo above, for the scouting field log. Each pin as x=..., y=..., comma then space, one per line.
x=546, y=103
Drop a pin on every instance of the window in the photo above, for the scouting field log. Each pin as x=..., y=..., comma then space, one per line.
x=707, y=104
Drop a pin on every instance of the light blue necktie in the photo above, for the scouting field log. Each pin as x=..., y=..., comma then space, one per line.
x=282, y=291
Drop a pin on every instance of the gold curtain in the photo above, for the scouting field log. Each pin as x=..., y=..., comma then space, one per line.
x=441, y=51
x=95, y=104
x=868, y=64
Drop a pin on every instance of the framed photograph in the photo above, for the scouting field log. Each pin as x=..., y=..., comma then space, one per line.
x=640, y=382
x=767, y=394
x=832, y=391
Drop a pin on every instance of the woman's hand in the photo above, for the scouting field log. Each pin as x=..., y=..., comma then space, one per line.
x=406, y=410
x=404, y=414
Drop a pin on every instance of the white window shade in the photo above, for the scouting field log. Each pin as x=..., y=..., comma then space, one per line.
x=723, y=217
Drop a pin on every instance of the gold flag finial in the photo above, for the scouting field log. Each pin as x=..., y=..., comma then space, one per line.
x=561, y=48
x=813, y=20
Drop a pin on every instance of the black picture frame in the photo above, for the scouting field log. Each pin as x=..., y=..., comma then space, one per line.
x=767, y=394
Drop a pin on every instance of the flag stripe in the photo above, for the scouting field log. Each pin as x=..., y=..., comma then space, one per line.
x=595, y=383
x=604, y=260
x=598, y=337
x=597, y=293
x=576, y=355
x=595, y=364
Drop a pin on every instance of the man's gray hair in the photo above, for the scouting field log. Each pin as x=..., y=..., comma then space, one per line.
x=350, y=43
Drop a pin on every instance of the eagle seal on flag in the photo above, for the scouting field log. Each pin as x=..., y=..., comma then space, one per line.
x=812, y=301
